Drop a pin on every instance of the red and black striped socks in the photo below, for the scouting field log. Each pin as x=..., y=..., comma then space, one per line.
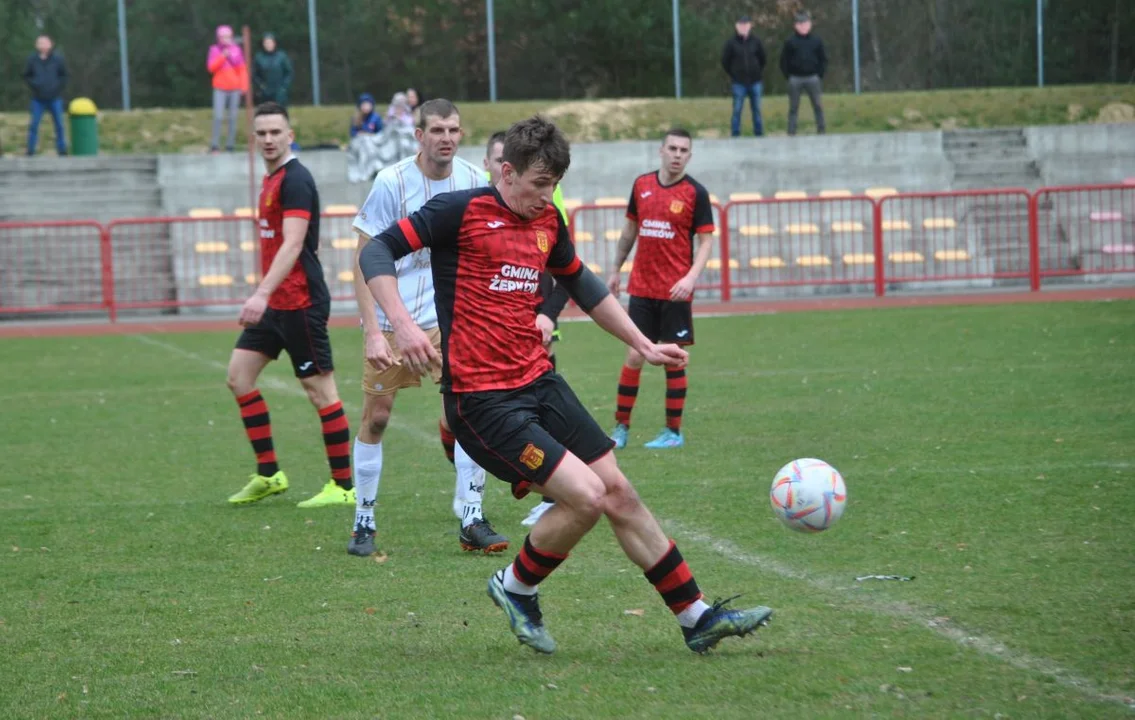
x=447, y=441
x=258, y=427
x=672, y=578
x=337, y=441
x=675, y=398
x=529, y=568
x=628, y=392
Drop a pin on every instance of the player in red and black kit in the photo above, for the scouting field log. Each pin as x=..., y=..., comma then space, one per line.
x=516, y=417
x=667, y=210
x=288, y=311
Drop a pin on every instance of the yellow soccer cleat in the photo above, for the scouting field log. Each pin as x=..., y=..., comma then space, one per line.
x=331, y=494
x=260, y=487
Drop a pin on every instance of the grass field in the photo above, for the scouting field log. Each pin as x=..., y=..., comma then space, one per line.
x=187, y=130
x=989, y=452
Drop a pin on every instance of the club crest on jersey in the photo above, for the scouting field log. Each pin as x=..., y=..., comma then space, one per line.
x=677, y=206
x=532, y=457
x=542, y=241
x=268, y=201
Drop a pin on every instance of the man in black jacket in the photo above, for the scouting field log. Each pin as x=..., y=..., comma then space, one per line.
x=46, y=76
x=743, y=59
x=803, y=61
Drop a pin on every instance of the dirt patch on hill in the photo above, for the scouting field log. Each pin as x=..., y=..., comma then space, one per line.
x=598, y=119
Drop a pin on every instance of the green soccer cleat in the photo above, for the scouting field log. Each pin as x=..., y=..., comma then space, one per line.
x=523, y=612
x=718, y=623
x=260, y=487
x=331, y=494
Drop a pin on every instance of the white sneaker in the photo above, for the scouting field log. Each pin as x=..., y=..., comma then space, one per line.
x=535, y=514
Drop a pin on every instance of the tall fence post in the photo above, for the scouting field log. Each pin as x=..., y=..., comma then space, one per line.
x=726, y=271
x=252, y=198
x=106, y=256
x=880, y=261
x=1034, y=241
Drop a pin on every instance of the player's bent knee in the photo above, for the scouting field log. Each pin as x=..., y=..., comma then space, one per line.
x=621, y=498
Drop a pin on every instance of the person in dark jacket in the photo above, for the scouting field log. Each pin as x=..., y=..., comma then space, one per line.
x=743, y=59
x=271, y=73
x=803, y=61
x=366, y=119
x=46, y=76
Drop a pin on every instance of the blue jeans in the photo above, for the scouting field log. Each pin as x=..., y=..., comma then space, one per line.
x=753, y=92
x=39, y=107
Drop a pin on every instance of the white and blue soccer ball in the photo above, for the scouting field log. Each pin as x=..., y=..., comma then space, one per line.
x=808, y=495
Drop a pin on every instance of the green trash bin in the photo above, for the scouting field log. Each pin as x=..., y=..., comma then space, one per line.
x=84, y=127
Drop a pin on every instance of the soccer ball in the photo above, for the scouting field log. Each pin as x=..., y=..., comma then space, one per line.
x=808, y=495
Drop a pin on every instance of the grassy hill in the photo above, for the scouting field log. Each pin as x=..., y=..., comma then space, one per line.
x=187, y=130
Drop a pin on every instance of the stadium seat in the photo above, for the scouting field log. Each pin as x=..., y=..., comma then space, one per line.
x=957, y=255
x=583, y=236
x=205, y=213
x=215, y=280
x=906, y=257
x=803, y=229
x=211, y=246
x=611, y=202
x=745, y=196
x=250, y=279
x=627, y=266
x=245, y=212
x=1125, y=249
x=847, y=226
x=835, y=193
x=1129, y=181
x=813, y=260
x=594, y=268
x=766, y=263
x=341, y=209
x=344, y=243
x=757, y=230
x=790, y=195
x=859, y=259
x=714, y=199
x=939, y=223
x=572, y=204
x=880, y=192
x=247, y=246
x=613, y=234
x=893, y=225
x=1106, y=216
x=715, y=264
x=346, y=276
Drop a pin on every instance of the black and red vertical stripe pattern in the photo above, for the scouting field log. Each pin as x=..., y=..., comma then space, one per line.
x=337, y=441
x=258, y=427
x=533, y=565
x=672, y=578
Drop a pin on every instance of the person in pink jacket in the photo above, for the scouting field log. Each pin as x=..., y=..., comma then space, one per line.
x=230, y=81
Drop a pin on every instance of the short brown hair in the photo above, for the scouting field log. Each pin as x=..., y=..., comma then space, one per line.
x=272, y=108
x=537, y=141
x=497, y=137
x=677, y=132
x=439, y=108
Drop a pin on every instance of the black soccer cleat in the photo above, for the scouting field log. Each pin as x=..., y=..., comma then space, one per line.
x=718, y=623
x=480, y=537
x=362, y=541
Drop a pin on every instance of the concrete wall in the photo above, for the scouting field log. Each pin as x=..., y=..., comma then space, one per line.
x=1083, y=154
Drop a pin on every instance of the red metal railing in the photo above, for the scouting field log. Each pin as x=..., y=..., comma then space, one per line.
x=897, y=243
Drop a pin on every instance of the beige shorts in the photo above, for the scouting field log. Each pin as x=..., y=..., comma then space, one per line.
x=396, y=377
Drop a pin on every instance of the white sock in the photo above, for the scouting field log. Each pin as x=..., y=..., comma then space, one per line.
x=470, y=488
x=368, y=471
x=690, y=616
x=513, y=585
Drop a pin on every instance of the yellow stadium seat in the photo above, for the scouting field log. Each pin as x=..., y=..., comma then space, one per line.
x=344, y=243
x=757, y=230
x=214, y=246
x=594, y=268
x=715, y=264
x=813, y=260
x=247, y=246
x=939, y=223
x=891, y=225
x=790, y=195
x=583, y=236
x=245, y=212
x=627, y=266
x=341, y=209
x=906, y=257
x=803, y=229
x=835, y=193
x=572, y=204
x=951, y=255
x=250, y=279
x=613, y=234
x=713, y=199
x=847, y=226
x=879, y=192
x=215, y=280
x=611, y=202
x=765, y=263
x=859, y=259
x=745, y=196
x=206, y=213
x=346, y=276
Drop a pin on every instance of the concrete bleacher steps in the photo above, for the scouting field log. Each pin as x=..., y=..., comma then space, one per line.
x=67, y=188
x=990, y=158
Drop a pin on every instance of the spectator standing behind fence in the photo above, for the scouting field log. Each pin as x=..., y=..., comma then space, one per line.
x=803, y=61
x=46, y=76
x=366, y=119
x=400, y=114
x=743, y=59
x=271, y=73
x=230, y=80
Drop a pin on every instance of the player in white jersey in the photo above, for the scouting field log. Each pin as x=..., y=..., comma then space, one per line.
x=399, y=190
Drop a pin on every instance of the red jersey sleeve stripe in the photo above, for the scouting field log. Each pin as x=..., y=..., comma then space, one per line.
x=571, y=269
x=302, y=214
x=411, y=234
x=705, y=229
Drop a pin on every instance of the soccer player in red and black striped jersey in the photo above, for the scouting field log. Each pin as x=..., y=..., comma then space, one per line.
x=667, y=211
x=288, y=311
x=516, y=417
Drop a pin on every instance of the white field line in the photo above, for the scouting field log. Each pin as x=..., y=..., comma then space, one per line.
x=906, y=612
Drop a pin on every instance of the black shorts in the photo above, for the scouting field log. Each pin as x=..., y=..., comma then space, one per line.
x=303, y=333
x=663, y=320
x=521, y=436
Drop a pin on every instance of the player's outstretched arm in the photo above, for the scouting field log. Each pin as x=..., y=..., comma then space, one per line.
x=295, y=228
